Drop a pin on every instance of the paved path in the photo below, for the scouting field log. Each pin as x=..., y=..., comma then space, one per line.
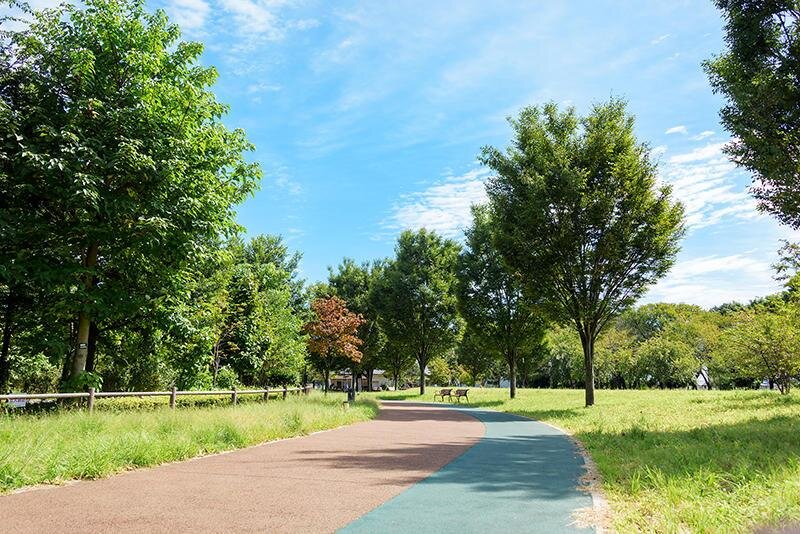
x=416, y=468
x=522, y=476
x=317, y=483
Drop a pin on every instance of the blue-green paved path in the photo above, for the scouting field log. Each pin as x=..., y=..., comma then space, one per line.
x=522, y=476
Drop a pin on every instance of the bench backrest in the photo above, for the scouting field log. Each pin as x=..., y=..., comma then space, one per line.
x=444, y=391
x=461, y=391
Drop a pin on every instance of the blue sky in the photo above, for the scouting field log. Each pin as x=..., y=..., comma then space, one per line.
x=368, y=116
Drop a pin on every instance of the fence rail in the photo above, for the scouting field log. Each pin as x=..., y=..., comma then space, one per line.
x=91, y=395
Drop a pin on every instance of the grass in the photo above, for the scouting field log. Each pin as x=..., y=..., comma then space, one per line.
x=129, y=433
x=676, y=461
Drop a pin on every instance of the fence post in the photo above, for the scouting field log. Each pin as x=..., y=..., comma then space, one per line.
x=284, y=392
x=266, y=394
x=233, y=397
x=91, y=400
x=308, y=389
x=172, y=396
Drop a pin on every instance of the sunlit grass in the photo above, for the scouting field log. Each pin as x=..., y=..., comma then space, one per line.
x=120, y=435
x=704, y=461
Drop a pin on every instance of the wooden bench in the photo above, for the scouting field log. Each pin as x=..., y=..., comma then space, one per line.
x=443, y=393
x=460, y=393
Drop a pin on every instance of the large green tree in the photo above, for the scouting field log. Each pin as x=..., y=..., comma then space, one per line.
x=416, y=297
x=490, y=299
x=757, y=74
x=114, y=151
x=581, y=218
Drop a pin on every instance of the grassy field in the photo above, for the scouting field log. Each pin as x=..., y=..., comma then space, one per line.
x=124, y=434
x=672, y=461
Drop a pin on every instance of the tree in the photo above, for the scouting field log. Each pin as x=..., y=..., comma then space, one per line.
x=581, y=220
x=491, y=300
x=758, y=77
x=765, y=344
x=416, y=297
x=354, y=284
x=332, y=335
x=114, y=149
x=474, y=357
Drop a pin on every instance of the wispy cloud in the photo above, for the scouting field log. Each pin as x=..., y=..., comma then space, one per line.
x=660, y=39
x=188, y=14
x=705, y=181
x=712, y=280
x=702, y=135
x=680, y=129
x=443, y=207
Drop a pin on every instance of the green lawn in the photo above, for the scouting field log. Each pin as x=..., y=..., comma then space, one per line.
x=704, y=461
x=125, y=434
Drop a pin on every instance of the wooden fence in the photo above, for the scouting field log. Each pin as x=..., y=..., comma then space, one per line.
x=91, y=395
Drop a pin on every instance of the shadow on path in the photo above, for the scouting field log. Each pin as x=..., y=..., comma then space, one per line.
x=522, y=476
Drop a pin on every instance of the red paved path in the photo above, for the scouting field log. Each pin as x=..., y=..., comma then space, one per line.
x=316, y=483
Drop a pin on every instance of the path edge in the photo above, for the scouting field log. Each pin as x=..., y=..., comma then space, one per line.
x=592, y=482
x=599, y=515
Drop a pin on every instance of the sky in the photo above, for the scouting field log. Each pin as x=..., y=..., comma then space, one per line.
x=368, y=117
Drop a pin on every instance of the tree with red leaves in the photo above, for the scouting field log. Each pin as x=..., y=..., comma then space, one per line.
x=332, y=335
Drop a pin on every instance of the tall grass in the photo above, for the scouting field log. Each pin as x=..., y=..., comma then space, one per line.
x=676, y=461
x=54, y=447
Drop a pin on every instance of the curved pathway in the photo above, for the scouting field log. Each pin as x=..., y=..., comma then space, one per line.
x=522, y=476
x=416, y=468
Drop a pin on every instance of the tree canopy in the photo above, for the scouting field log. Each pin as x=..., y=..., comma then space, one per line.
x=115, y=160
x=581, y=219
x=502, y=319
x=416, y=296
x=757, y=75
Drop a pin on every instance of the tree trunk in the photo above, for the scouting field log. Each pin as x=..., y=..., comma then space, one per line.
x=92, y=349
x=82, y=341
x=396, y=373
x=326, y=377
x=512, y=379
x=370, y=374
x=587, y=340
x=5, y=365
x=422, y=364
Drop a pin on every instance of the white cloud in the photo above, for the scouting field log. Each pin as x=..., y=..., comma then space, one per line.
x=188, y=14
x=699, y=154
x=703, y=135
x=254, y=17
x=705, y=181
x=443, y=208
x=712, y=280
x=263, y=87
x=681, y=129
x=660, y=39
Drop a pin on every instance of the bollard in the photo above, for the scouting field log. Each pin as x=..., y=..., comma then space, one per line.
x=284, y=392
x=91, y=400
x=266, y=394
x=233, y=396
x=172, y=395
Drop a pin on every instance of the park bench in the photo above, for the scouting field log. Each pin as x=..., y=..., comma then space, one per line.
x=460, y=393
x=443, y=393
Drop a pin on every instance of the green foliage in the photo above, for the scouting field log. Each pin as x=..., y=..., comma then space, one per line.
x=491, y=301
x=581, y=219
x=440, y=372
x=83, y=382
x=766, y=345
x=416, y=298
x=757, y=74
